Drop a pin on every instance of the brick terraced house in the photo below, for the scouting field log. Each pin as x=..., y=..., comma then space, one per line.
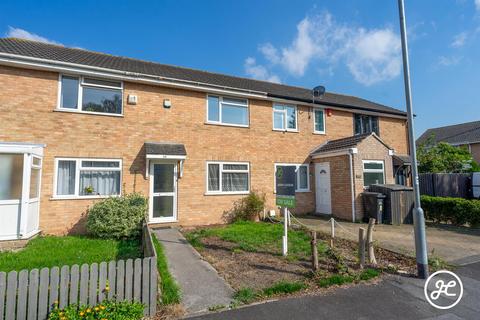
x=77, y=126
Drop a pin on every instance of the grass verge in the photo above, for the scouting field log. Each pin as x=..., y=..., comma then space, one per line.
x=170, y=289
x=245, y=296
x=50, y=251
x=257, y=237
x=284, y=288
x=340, y=279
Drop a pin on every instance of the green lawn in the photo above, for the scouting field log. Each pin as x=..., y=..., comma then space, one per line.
x=52, y=251
x=252, y=236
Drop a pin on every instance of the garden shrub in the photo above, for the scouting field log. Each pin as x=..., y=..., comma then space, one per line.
x=106, y=310
x=246, y=209
x=457, y=211
x=117, y=217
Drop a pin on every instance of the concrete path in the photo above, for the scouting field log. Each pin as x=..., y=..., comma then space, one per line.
x=395, y=298
x=200, y=283
x=456, y=245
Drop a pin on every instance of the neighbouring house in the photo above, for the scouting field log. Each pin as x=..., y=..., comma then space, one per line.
x=77, y=126
x=461, y=135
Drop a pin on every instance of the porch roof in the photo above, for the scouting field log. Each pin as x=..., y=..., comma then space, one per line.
x=345, y=144
x=165, y=148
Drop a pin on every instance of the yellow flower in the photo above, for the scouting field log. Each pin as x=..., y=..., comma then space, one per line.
x=63, y=318
x=61, y=313
x=102, y=307
x=89, y=310
x=107, y=288
x=82, y=313
x=96, y=309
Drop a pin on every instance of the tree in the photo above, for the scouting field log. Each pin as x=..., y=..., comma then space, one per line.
x=444, y=158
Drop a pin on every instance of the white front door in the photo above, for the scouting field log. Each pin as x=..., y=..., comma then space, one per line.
x=323, y=195
x=163, y=192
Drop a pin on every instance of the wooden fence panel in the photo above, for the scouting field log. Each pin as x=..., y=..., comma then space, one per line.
x=74, y=281
x=32, y=294
x=445, y=184
x=22, y=295
x=93, y=285
x=3, y=290
x=102, y=281
x=43, y=294
x=11, y=295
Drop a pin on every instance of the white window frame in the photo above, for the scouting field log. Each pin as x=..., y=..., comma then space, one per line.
x=373, y=170
x=38, y=167
x=297, y=171
x=221, y=170
x=81, y=84
x=78, y=168
x=220, y=106
x=286, y=129
x=314, y=121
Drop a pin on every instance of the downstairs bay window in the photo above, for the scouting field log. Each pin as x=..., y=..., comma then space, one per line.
x=87, y=177
x=228, y=177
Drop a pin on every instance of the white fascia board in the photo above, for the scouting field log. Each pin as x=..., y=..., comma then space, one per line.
x=20, y=147
x=335, y=153
x=165, y=156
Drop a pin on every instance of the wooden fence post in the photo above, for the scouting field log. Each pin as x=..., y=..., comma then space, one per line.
x=361, y=247
x=332, y=231
x=313, y=243
x=371, y=252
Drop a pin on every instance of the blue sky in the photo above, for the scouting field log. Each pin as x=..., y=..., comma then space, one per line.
x=349, y=46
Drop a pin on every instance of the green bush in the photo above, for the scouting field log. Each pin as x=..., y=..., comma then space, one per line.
x=247, y=208
x=457, y=211
x=105, y=310
x=117, y=217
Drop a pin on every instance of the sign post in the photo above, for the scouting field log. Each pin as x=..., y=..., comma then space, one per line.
x=285, y=186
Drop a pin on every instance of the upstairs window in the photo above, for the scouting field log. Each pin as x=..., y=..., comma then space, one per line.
x=227, y=111
x=319, y=120
x=365, y=124
x=85, y=94
x=284, y=117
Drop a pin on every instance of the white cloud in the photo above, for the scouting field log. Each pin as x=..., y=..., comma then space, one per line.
x=24, y=34
x=449, y=61
x=259, y=72
x=460, y=39
x=477, y=4
x=371, y=56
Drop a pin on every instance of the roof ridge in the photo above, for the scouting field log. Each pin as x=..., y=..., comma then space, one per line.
x=455, y=125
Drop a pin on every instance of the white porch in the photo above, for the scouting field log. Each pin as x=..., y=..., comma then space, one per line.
x=20, y=182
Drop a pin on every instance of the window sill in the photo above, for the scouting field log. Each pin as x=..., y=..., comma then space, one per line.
x=319, y=133
x=226, y=125
x=226, y=193
x=89, y=112
x=283, y=130
x=54, y=198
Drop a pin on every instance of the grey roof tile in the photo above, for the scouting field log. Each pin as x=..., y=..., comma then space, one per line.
x=58, y=53
x=455, y=134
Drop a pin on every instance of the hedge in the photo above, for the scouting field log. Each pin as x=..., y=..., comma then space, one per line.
x=457, y=211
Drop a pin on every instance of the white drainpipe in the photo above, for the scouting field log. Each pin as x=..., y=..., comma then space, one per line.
x=352, y=180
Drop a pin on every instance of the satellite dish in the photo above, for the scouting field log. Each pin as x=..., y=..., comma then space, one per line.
x=318, y=91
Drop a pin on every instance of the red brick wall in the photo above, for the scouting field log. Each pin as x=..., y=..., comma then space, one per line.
x=28, y=99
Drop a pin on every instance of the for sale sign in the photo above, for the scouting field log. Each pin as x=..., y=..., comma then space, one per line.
x=285, y=186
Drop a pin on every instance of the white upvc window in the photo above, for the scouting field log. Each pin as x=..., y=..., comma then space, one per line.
x=302, y=183
x=90, y=95
x=87, y=177
x=373, y=172
x=228, y=177
x=227, y=111
x=284, y=117
x=318, y=120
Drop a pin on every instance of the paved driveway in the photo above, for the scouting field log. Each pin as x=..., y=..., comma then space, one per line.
x=455, y=245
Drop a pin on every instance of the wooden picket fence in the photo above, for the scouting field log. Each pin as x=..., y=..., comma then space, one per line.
x=32, y=294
